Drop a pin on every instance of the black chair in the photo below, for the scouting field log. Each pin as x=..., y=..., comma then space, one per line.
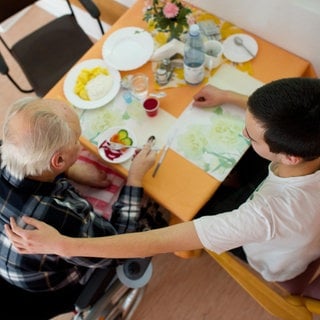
x=46, y=54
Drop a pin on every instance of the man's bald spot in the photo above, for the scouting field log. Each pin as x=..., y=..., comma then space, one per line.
x=21, y=125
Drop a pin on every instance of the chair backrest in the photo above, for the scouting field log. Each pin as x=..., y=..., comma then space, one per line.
x=49, y=51
x=291, y=300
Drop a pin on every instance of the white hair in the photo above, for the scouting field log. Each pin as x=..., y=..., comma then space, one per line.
x=29, y=153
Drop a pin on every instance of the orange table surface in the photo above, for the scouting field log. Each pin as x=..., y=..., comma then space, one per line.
x=180, y=186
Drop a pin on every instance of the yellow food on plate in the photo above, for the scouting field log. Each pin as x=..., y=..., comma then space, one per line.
x=84, y=77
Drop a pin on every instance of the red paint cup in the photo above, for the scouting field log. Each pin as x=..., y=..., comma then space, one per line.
x=151, y=106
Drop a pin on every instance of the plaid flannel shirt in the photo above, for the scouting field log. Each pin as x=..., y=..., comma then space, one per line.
x=58, y=204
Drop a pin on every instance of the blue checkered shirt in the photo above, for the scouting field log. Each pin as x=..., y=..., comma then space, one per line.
x=59, y=205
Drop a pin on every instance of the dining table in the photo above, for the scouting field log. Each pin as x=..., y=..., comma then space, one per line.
x=180, y=186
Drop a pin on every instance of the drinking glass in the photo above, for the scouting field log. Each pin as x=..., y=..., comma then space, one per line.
x=139, y=85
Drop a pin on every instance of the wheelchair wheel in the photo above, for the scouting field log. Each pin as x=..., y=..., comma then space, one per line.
x=118, y=303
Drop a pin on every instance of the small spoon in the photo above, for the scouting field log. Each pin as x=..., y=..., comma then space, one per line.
x=239, y=42
x=160, y=94
x=119, y=146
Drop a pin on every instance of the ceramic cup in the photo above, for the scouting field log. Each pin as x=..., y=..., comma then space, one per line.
x=139, y=85
x=151, y=106
x=213, y=57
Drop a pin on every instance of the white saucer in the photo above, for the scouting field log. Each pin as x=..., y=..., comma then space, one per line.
x=236, y=53
x=128, y=48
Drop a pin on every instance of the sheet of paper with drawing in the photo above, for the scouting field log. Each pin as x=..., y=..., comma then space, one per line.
x=211, y=138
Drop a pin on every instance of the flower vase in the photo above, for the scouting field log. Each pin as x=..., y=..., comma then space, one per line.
x=176, y=31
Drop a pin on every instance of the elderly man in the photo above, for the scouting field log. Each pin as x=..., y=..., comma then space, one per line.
x=39, y=149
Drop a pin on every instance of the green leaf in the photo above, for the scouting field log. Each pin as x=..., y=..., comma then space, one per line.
x=218, y=110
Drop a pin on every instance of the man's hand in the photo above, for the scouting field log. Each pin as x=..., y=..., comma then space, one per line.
x=210, y=96
x=88, y=174
x=141, y=163
x=42, y=239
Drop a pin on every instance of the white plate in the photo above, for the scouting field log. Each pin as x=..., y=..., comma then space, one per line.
x=71, y=79
x=106, y=135
x=237, y=53
x=128, y=48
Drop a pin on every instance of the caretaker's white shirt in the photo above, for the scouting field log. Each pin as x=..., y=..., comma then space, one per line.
x=278, y=227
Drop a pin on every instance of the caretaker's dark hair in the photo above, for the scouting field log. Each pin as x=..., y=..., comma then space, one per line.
x=289, y=111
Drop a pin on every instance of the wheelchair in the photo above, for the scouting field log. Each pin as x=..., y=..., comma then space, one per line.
x=114, y=293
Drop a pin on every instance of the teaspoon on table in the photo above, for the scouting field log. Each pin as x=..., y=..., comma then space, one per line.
x=239, y=42
x=160, y=94
x=119, y=146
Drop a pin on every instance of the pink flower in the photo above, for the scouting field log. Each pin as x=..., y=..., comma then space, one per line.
x=170, y=10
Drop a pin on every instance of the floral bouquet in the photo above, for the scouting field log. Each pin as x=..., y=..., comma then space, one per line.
x=169, y=16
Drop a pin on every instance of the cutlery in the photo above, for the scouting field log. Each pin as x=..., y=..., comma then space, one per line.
x=239, y=42
x=119, y=146
x=164, y=153
x=160, y=94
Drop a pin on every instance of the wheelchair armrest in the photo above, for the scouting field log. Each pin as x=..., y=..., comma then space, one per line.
x=97, y=284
